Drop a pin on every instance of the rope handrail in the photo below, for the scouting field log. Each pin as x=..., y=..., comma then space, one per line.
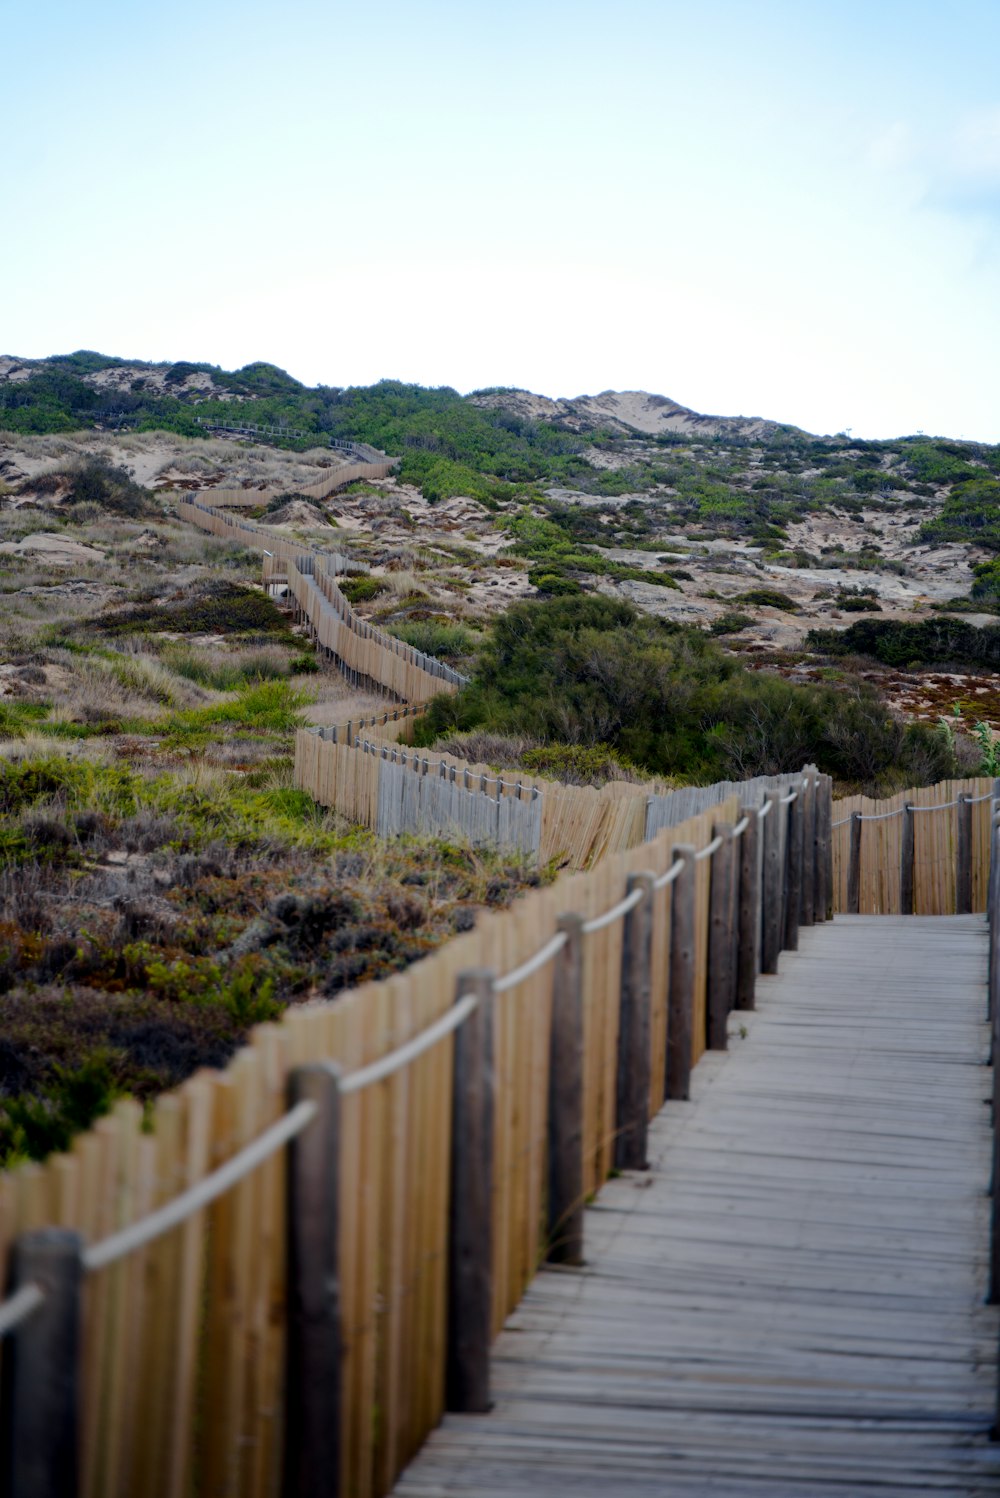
x=763, y=810
x=533, y=964
x=787, y=800
x=19, y=1306
x=173, y=1213
x=598, y=922
x=741, y=826
x=394, y=1061
x=882, y=816
x=708, y=850
x=670, y=875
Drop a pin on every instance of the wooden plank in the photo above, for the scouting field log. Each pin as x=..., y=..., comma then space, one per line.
x=794, y=1302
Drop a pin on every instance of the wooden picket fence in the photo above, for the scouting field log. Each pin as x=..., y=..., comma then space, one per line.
x=368, y=657
x=344, y=473
x=920, y=852
x=349, y=1211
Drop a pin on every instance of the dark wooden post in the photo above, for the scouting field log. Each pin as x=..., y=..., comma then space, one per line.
x=680, y=1004
x=827, y=850
x=40, y=1426
x=721, y=923
x=994, y=1000
x=772, y=892
x=470, y=1224
x=748, y=936
x=793, y=871
x=993, y=917
x=565, y=1205
x=314, y=1391
x=963, y=856
x=632, y=1110
x=906, y=862
x=854, y=865
x=807, y=897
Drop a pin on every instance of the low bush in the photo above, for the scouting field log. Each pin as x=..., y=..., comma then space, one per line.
x=594, y=672
x=896, y=642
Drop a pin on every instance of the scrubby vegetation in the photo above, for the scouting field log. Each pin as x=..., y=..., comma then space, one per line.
x=895, y=642
x=594, y=672
x=147, y=920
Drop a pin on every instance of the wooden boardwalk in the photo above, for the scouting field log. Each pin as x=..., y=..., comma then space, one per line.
x=790, y=1302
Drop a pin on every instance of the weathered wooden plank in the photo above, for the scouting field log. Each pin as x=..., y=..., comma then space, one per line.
x=792, y=1301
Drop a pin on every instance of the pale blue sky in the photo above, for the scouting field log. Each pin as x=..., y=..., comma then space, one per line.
x=767, y=208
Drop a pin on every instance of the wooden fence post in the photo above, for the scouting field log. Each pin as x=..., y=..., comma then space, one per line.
x=826, y=847
x=40, y=1423
x=854, y=865
x=807, y=897
x=313, y=1385
x=772, y=892
x=680, y=1003
x=470, y=1218
x=906, y=870
x=793, y=871
x=963, y=856
x=721, y=924
x=748, y=935
x=565, y=1204
x=632, y=1109
x=993, y=917
x=994, y=1002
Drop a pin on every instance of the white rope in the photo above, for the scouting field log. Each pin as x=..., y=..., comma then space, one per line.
x=18, y=1307
x=986, y=796
x=615, y=913
x=841, y=823
x=741, y=826
x=708, y=850
x=787, y=800
x=886, y=816
x=99, y=1255
x=527, y=969
x=670, y=875
x=762, y=811
x=943, y=807
x=396, y=1060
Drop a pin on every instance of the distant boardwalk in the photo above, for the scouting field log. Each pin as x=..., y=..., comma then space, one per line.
x=790, y=1303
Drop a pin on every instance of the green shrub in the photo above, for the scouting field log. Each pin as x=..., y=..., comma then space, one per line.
x=361, y=589
x=220, y=608
x=896, y=642
x=445, y=641
x=768, y=598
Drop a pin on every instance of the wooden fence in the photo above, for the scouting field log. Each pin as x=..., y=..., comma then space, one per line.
x=276, y=1283
x=395, y=790
x=368, y=656
x=920, y=852
x=344, y=473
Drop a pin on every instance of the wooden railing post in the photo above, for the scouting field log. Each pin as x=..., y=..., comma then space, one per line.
x=963, y=856
x=807, y=897
x=772, y=892
x=993, y=914
x=565, y=1202
x=748, y=936
x=793, y=871
x=721, y=931
x=470, y=1220
x=314, y=1367
x=680, y=1003
x=854, y=865
x=632, y=1108
x=826, y=847
x=906, y=868
x=40, y=1401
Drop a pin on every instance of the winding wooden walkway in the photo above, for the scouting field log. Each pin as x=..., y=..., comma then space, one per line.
x=790, y=1302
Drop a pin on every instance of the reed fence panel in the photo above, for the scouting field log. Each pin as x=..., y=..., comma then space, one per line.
x=935, y=848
